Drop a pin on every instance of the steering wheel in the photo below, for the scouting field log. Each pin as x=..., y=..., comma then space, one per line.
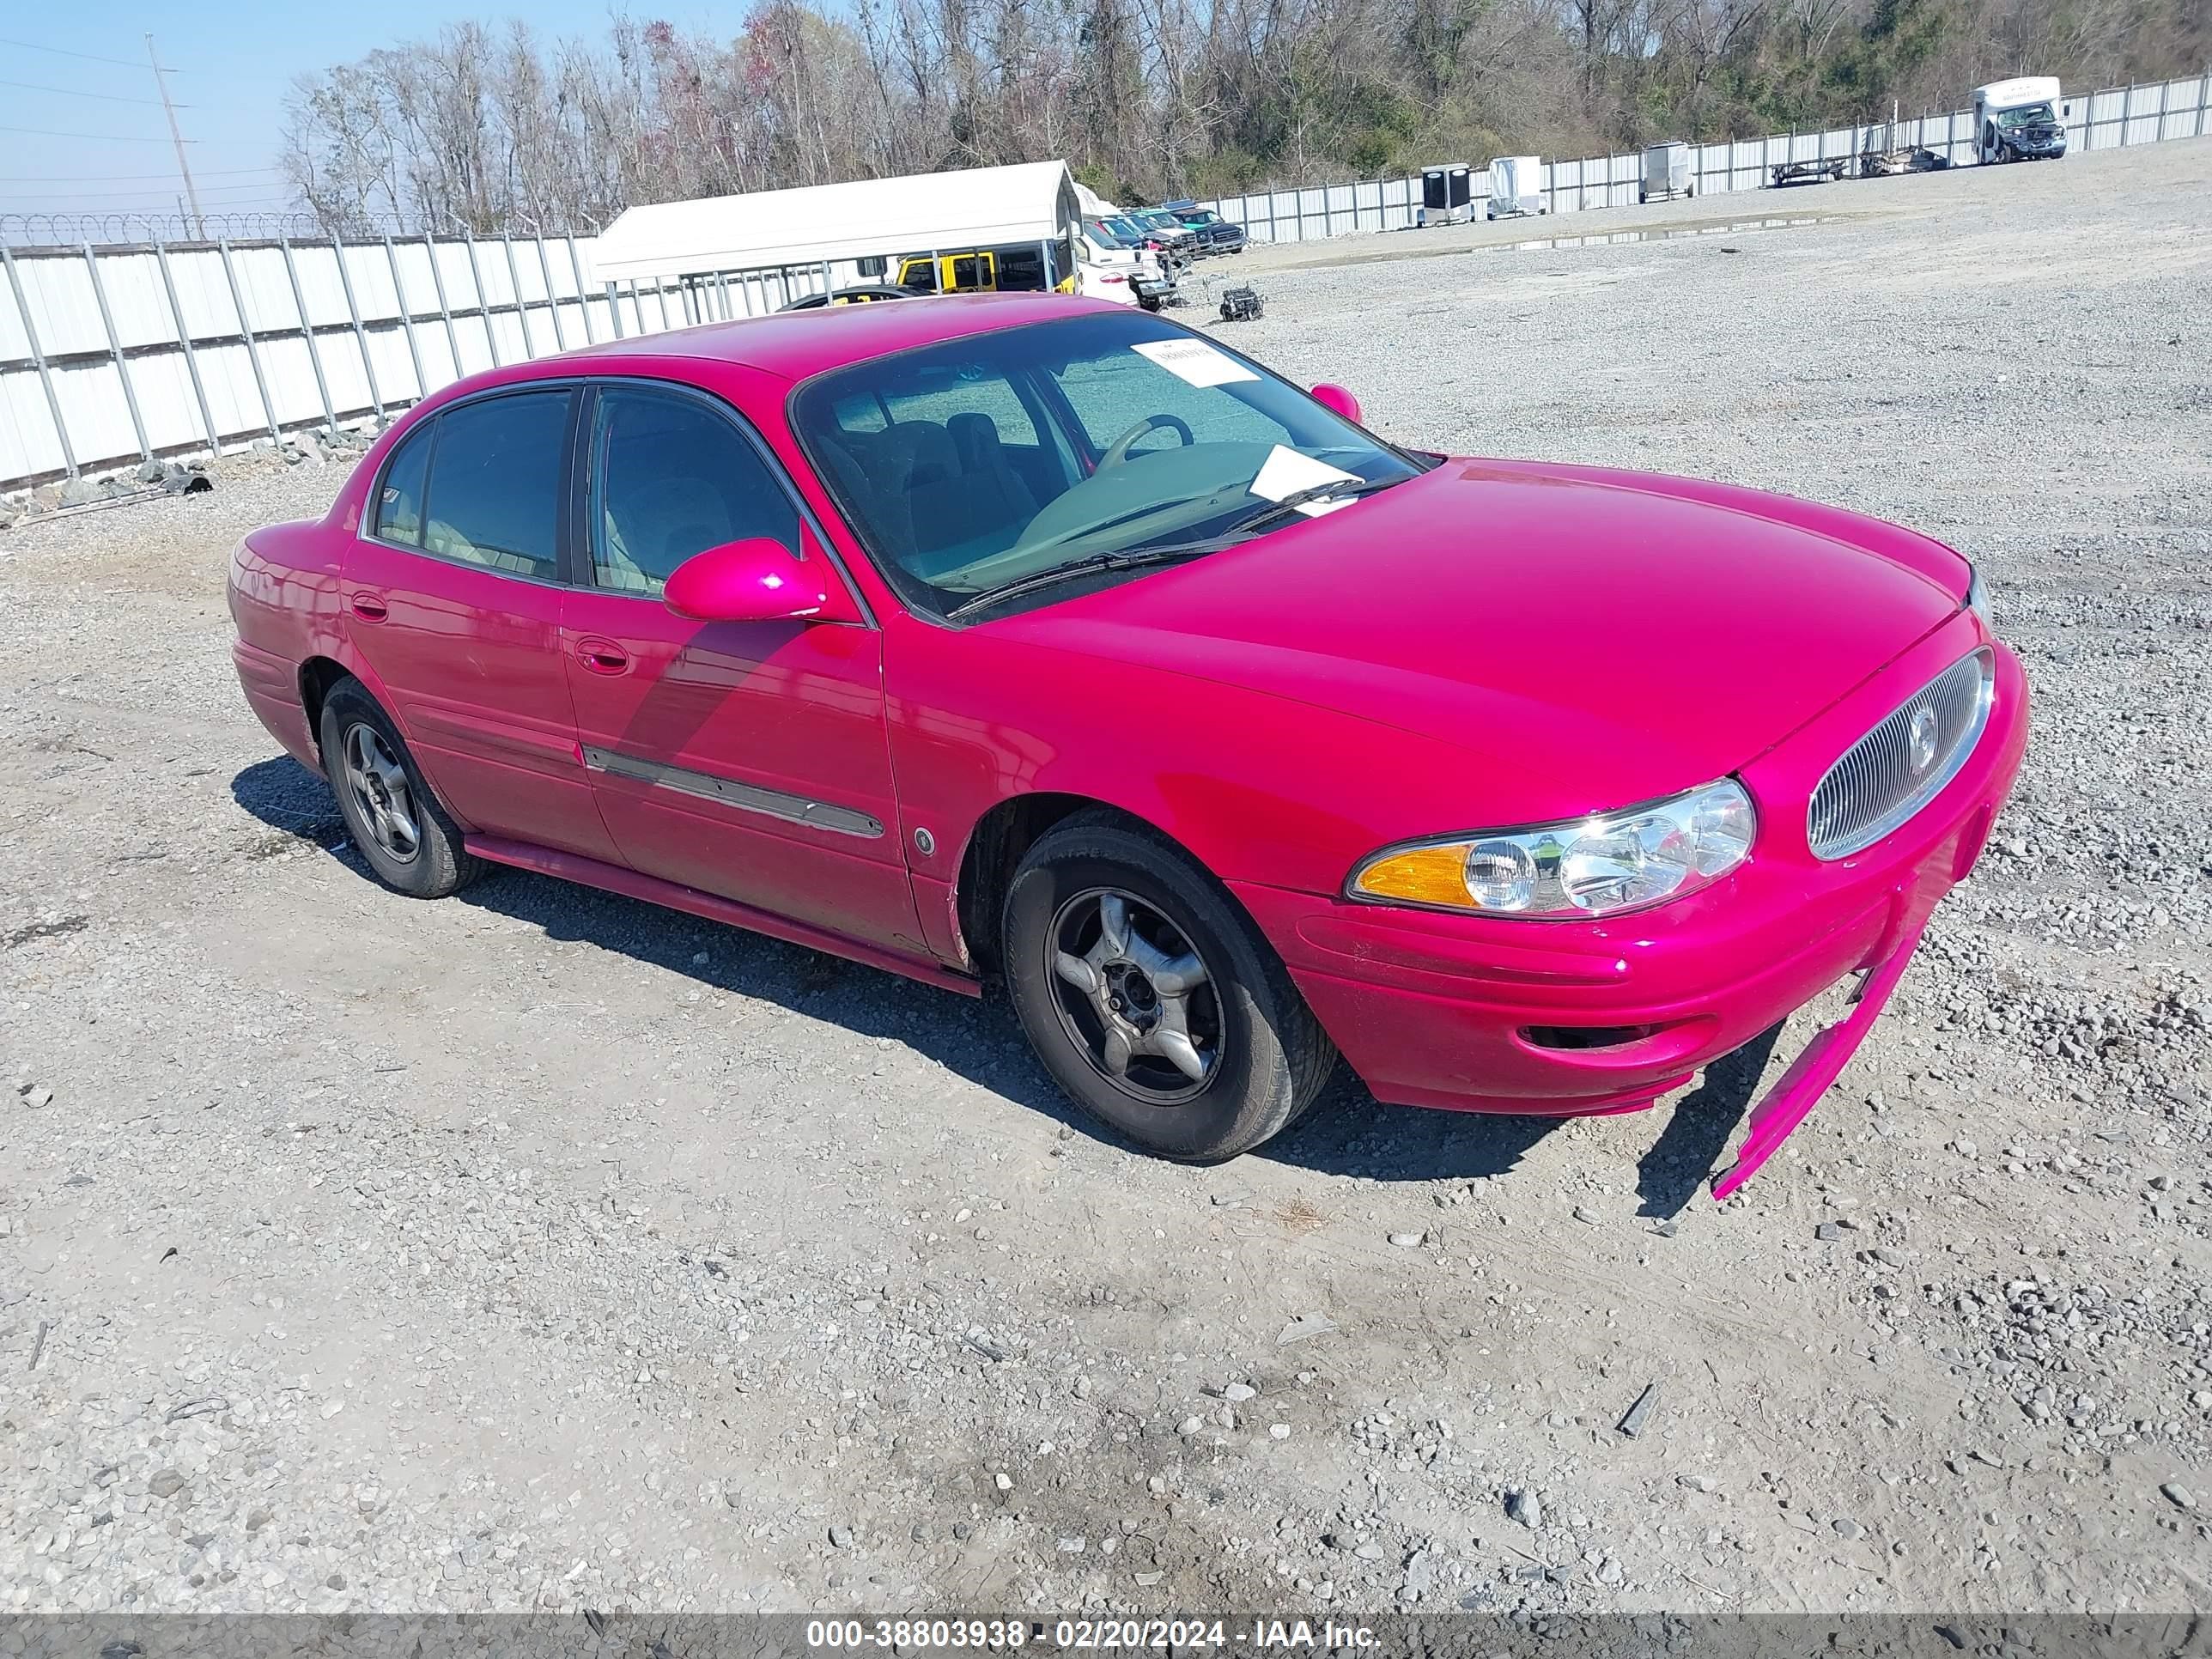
x=1118, y=451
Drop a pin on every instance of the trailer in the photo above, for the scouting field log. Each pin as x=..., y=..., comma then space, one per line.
x=1824, y=171
x=1888, y=162
x=1447, y=195
x=1516, y=187
x=1666, y=172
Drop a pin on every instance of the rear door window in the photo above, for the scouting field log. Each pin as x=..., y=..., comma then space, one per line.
x=496, y=482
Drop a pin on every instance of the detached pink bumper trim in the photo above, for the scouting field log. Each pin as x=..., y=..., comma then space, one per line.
x=1792, y=1098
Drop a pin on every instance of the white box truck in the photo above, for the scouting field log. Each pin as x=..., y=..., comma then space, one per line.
x=2021, y=119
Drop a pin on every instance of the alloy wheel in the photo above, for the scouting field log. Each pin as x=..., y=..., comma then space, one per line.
x=381, y=793
x=1135, y=996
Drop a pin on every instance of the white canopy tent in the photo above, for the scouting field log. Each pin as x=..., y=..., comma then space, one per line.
x=823, y=224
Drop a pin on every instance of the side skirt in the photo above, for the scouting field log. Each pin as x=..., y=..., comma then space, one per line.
x=590, y=872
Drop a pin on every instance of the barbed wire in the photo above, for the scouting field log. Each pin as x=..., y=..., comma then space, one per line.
x=70, y=229
x=34, y=229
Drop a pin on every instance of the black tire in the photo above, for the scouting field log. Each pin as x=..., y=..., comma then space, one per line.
x=440, y=863
x=1270, y=1058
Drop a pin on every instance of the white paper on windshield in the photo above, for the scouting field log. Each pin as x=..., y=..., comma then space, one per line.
x=1286, y=471
x=1195, y=360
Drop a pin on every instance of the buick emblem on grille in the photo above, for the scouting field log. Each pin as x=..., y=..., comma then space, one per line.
x=1920, y=741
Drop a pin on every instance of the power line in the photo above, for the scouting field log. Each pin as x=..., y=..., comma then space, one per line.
x=121, y=178
x=169, y=189
x=95, y=137
x=144, y=190
x=71, y=92
x=88, y=56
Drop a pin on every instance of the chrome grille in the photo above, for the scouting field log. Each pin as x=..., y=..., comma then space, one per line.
x=1901, y=765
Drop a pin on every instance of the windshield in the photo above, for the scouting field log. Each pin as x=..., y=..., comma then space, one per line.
x=2035, y=115
x=1064, y=446
x=1105, y=231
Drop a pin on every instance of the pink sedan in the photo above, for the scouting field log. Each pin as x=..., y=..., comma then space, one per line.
x=1040, y=641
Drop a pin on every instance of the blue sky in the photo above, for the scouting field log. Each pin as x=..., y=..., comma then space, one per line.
x=236, y=62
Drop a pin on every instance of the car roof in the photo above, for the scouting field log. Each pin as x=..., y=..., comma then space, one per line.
x=799, y=343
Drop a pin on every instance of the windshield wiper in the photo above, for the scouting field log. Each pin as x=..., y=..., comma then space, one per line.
x=1244, y=529
x=1058, y=573
x=1334, y=489
x=1171, y=552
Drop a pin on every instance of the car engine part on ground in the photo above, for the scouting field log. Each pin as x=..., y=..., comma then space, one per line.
x=1241, y=304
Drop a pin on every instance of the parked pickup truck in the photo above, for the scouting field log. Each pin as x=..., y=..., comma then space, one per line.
x=1210, y=232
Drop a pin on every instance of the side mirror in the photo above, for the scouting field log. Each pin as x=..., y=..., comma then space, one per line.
x=754, y=580
x=1337, y=399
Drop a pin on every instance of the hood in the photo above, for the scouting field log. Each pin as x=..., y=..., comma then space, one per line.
x=1597, y=638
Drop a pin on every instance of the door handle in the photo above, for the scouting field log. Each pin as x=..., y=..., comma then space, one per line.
x=369, y=608
x=602, y=656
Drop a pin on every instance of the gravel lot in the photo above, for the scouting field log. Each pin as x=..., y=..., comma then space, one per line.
x=541, y=1249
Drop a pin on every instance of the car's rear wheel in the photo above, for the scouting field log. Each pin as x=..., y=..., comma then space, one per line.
x=395, y=818
x=1149, y=996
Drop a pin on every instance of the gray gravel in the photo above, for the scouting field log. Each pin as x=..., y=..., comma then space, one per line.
x=538, y=1249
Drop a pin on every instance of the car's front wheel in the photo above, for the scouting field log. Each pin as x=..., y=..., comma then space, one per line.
x=1149, y=996
x=395, y=821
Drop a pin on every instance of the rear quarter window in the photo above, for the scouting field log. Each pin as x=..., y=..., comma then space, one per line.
x=398, y=508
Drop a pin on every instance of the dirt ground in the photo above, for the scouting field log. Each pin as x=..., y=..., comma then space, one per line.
x=537, y=1248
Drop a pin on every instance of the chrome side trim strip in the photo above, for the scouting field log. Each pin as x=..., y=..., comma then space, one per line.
x=745, y=797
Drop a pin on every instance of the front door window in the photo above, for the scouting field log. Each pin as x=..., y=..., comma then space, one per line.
x=672, y=478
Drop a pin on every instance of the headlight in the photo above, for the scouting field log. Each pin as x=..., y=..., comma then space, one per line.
x=1593, y=867
x=1977, y=599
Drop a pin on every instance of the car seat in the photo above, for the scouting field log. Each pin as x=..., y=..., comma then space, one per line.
x=960, y=507
x=1002, y=496
x=655, y=527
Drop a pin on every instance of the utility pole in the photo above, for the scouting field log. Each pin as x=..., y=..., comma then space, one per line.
x=199, y=228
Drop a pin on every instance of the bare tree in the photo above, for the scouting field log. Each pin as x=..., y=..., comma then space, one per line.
x=483, y=128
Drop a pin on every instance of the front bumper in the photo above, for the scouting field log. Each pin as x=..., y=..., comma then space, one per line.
x=1486, y=1014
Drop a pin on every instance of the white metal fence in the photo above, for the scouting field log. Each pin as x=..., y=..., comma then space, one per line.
x=110, y=355
x=2101, y=121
